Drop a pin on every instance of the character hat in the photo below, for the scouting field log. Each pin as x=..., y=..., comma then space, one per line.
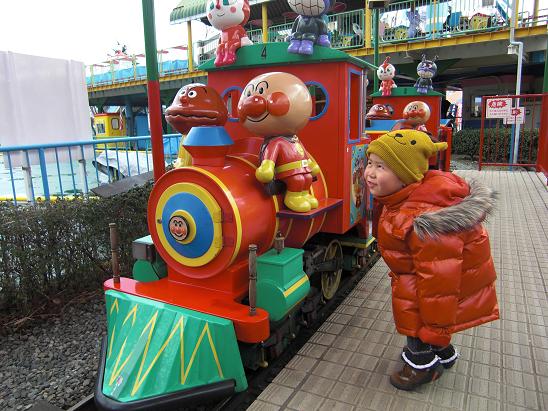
x=406, y=152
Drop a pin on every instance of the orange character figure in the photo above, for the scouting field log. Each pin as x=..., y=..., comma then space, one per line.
x=276, y=106
x=229, y=16
x=194, y=105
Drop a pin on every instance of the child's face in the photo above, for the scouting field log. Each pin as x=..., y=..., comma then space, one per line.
x=380, y=179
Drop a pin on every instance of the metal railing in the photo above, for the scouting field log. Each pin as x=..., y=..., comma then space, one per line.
x=51, y=171
x=347, y=29
x=400, y=22
x=433, y=19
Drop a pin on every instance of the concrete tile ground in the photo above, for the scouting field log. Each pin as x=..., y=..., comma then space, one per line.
x=503, y=364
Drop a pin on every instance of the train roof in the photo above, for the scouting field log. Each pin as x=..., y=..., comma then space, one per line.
x=275, y=54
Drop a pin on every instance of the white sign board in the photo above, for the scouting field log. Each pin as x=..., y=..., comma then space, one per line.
x=42, y=100
x=517, y=116
x=498, y=107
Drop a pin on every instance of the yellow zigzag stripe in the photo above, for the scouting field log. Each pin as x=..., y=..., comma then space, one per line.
x=139, y=380
x=134, y=312
x=117, y=370
x=206, y=329
x=114, y=305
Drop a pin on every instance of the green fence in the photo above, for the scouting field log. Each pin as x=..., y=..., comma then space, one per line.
x=402, y=21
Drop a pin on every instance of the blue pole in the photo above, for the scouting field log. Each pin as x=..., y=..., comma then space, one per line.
x=44, y=172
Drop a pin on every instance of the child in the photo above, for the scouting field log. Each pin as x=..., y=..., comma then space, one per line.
x=431, y=237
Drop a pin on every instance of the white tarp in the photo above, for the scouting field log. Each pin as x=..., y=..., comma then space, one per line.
x=42, y=100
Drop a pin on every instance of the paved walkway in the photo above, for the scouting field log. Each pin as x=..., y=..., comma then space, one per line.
x=503, y=364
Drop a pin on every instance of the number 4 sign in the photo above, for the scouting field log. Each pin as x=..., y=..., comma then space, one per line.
x=517, y=116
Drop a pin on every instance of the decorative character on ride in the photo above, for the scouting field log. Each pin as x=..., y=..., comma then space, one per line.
x=229, y=16
x=415, y=116
x=426, y=70
x=309, y=28
x=380, y=112
x=276, y=106
x=194, y=105
x=386, y=73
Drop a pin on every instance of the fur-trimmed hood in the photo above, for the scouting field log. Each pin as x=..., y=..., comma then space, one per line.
x=463, y=216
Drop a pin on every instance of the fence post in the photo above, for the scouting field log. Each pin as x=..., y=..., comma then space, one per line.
x=44, y=172
x=83, y=172
x=28, y=179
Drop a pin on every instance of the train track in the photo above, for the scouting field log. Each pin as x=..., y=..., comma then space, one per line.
x=260, y=379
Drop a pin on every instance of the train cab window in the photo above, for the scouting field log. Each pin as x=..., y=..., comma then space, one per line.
x=115, y=123
x=320, y=99
x=231, y=96
x=354, y=100
x=100, y=128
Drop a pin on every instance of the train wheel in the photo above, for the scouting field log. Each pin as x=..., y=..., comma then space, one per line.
x=332, y=279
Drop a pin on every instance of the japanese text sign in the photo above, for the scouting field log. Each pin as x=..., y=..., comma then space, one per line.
x=498, y=107
x=517, y=116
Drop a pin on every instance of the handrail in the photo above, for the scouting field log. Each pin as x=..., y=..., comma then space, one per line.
x=91, y=163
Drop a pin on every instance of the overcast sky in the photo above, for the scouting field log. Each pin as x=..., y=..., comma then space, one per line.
x=85, y=30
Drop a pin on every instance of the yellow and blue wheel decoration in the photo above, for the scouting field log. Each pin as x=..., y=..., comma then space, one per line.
x=188, y=223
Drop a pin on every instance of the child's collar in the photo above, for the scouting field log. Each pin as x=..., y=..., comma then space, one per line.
x=398, y=196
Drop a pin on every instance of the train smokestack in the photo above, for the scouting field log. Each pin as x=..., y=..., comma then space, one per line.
x=208, y=145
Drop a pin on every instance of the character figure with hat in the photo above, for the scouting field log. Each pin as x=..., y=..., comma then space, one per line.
x=386, y=73
x=430, y=235
x=194, y=105
x=276, y=106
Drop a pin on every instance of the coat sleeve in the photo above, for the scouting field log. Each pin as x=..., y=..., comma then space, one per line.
x=438, y=266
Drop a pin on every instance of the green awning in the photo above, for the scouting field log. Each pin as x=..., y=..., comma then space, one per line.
x=188, y=10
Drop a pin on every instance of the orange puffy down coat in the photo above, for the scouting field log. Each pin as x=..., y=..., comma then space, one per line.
x=443, y=276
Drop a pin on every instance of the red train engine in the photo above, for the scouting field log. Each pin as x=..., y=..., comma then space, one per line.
x=195, y=295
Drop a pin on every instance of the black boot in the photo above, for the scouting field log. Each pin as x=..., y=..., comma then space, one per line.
x=448, y=355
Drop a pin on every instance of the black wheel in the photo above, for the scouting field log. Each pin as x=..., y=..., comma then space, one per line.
x=332, y=279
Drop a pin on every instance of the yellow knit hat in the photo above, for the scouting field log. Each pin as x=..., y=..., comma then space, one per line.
x=406, y=152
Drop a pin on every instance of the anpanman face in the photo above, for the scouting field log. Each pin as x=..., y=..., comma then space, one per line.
x=275, y=104
x=178, y=228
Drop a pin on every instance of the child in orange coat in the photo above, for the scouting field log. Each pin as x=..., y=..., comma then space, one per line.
x=431, y=237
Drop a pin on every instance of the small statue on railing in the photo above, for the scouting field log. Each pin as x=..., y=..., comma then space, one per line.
x=229, y=17
x=426, y=70
x=309, y=27
x=386, y=73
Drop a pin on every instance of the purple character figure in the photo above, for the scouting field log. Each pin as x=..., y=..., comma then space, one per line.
x=309, y=28
x=426, y=70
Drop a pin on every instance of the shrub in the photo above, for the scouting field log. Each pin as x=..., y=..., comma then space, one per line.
x=64, y=247
x=467, y=142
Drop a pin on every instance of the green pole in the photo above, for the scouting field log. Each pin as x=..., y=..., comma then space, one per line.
x=376, y=48
x=153, y=90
